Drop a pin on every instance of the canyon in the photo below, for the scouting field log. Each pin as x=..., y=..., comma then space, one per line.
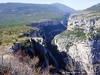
x=70, y=46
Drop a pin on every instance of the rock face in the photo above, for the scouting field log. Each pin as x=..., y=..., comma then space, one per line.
x=81, y=41
x=87, y=21
x=50, y=28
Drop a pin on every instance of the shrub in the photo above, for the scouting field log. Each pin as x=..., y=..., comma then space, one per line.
x=79, y=33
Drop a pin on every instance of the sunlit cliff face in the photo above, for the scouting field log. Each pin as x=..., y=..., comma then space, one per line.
x=84, y=50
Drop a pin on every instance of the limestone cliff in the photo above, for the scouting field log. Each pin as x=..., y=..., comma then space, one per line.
x=81, y=40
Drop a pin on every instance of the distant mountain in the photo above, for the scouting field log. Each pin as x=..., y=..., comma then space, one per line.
x=19, y=13
x=20, y=8
x=95, y=8
x=15, y=19
x=63, y=7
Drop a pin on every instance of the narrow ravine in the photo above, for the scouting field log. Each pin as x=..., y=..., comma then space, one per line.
x=64, y=61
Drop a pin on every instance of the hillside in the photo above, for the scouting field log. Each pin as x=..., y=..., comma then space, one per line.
x=14, y=18
x=81, y=40
x=95, y=8
x=76, y=51
x=17, y=13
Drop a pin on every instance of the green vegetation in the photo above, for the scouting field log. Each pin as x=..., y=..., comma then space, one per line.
x=18, y=14
x=25, y=43
x=23, y=19
x=98, y=30
x=10, y=35
x=77, y=32
x=14, y=18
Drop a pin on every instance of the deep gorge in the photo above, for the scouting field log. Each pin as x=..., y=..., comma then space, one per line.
x=48, y=30
x=49, y=39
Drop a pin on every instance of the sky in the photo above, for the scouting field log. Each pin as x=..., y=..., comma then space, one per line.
x=75, y=4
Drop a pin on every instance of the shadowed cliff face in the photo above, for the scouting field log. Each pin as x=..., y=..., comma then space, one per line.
x=66, y=63
x=61, y=62
x=48, y=28
x=96, y=49
x=96, y=54
x=51, y=28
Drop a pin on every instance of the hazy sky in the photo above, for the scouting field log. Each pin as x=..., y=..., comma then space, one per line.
x=76, y=4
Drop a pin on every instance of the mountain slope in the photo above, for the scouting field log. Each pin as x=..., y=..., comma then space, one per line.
x=31, y=8
x=81, y=40
x=12, y=13
x=63, y=7
x=14, y=18
x=95, y=8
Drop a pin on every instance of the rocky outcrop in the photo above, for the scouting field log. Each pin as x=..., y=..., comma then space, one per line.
x=61, y=62
x=50, y=28
x=88, y=21
x=81, y=41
